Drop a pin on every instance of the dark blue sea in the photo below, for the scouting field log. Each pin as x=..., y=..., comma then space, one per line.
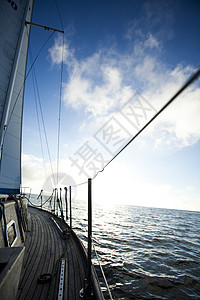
x=146, y=253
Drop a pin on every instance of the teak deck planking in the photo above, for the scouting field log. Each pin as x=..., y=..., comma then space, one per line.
x=44, y=248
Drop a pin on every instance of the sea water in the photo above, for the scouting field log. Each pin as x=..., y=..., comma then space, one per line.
x=146, y=253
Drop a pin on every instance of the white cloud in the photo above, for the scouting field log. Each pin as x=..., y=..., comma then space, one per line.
x=28, y=157
x=152, y=42
x=32, y=172
x=95, y=85
x=37, y=177
x=101, y=83
x=130, y=190
x=61, y=51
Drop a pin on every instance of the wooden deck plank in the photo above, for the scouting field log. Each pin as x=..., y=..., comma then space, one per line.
x=29, y=258
x=44, y=247
x=42, y=258
x=33, y=260
x=49, y=262
x=75, y=281
x=62, y=251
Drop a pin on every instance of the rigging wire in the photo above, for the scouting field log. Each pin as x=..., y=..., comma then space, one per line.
x=37, y=113
x=60, y=98
x=23, y=84
x=59, y=112
x=61, y=23
x=43, y=123
x=45, y=135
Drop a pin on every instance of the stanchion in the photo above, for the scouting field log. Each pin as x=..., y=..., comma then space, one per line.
x=66, y=203
x=89, y=227
x=70, y=205
x=41, y=197
x=61, y=206
x=88, y=281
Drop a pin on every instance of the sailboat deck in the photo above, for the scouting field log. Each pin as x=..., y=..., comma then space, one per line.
x=44, y=250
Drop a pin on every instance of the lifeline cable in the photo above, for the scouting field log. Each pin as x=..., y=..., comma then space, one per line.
x=97, y=256
x=38, y=205
x=102, y=271
x=193, y=78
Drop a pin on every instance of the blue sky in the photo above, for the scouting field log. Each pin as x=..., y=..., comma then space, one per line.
x=118, y=55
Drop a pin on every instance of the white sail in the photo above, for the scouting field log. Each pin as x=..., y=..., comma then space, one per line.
x=14, y=37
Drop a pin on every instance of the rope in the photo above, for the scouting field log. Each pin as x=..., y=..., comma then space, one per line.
x=34, y=205
x=46, y=277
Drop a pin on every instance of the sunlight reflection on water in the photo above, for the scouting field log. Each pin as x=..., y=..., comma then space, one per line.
x=146, y=253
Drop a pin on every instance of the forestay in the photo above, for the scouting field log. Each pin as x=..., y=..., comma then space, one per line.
x=14, y=37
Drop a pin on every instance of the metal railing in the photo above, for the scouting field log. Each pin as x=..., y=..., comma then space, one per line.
x=56, y=204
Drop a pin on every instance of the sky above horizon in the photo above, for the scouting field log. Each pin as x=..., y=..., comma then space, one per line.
x=122, y=61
